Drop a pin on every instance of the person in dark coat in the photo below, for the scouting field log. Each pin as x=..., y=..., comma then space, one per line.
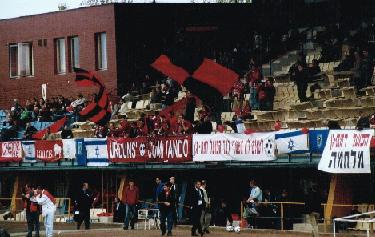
x=30, y=131
x=158, y=188
x=196, y=204
x=167, y=203
x=176, y=195
x=363, y=121
x=204, y=126
x=301, y=79
x=84, y=202
x=118, y=211
x=222, y=214
x=190, y=108
x=66, y=133
x=32, y=211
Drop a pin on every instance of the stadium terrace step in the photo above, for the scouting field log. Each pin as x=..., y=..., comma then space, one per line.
x=317, y=104
x=83, y=125
x=305, y=124
x=337, y=103
x=260, y=125
x=348, y=92
x=302, y=106
x=344, y=82
x=280, y=64
x=370, y=91
x=79, y=133
x=314, y=114
x=323, y=94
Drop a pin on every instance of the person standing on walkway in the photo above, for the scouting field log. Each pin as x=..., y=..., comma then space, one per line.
x=32, y=211
x=167, y=203
x=130, y=198
x=197, y=203
x=206, y=211
x=84, y=201
x=157, y=189
x=47, y=201
x=176, y=196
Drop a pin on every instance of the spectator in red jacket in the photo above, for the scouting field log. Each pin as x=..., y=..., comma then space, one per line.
x=113, y=130
x=130, y=198
x=254, y=76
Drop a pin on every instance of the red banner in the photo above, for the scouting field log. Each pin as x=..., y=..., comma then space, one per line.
x=48, y=151
x=145, y=149
x=10, y=152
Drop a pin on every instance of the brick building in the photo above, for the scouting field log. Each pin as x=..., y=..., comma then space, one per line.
x=42, y=49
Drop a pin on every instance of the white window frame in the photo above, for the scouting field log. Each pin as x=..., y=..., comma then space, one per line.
x=60, y=49
x=25, y=60
x=101, y=51
x=74, y=52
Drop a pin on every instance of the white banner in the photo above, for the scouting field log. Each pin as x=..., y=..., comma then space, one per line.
x=69, y=148
x=291, y=141
x=234, y=147
x=96, y=150
x=44, y=91
x=347, y=151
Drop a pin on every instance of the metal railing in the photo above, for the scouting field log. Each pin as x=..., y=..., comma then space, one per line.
x=281, y=209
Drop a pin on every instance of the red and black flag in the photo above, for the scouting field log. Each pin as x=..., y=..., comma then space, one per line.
x=87, y=79
x=54, y=128
x=209, y=80
x=99, y=110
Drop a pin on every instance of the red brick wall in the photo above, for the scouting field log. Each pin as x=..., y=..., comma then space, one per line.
x=84, y=23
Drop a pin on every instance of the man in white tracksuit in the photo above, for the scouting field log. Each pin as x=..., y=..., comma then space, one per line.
x=46, y=200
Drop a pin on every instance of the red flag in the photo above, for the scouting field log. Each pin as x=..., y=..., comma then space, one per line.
x=98, y=111
x=102, y=117
x=54, y=128
x=87, y=78
x=88, y=109
x=165, y=66
x=216, y=76
x=177, y=107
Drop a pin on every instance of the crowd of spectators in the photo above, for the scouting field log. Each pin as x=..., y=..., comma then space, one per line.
x=19, y=117
x=251, y=92
x=361, y=64
x=158, y=125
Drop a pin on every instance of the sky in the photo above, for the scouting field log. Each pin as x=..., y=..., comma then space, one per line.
x=16, y=8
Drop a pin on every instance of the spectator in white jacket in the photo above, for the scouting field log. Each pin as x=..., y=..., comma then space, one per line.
x=47, y=201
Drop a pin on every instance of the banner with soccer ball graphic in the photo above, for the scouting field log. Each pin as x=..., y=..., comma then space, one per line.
x=234, y=147
x=172, y=149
